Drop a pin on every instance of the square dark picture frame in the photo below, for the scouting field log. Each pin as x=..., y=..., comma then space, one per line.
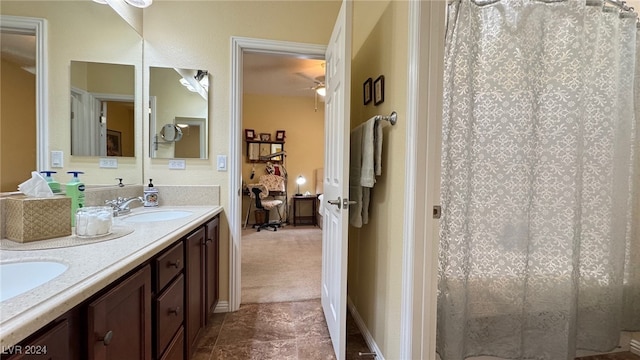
x=114, y=143
x=367, y=90
x=280, y=135
x=249, y=134
x=378, y=90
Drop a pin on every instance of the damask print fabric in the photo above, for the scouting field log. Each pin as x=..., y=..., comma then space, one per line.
x=539, y=255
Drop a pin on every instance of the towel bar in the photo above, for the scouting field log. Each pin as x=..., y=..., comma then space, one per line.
x=392, y=118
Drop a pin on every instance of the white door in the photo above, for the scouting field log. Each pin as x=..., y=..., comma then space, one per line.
x=336, y=179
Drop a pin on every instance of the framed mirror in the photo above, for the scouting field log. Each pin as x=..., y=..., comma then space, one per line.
x=178, y=102
x=102, y=109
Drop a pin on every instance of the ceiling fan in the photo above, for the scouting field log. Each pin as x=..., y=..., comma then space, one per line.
x=318, y=86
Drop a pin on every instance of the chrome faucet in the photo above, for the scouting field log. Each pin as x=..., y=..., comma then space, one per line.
x=121, y=205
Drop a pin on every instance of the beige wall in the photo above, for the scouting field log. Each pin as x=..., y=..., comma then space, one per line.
x=18, y=125
x=304, y=142
x=375, y=251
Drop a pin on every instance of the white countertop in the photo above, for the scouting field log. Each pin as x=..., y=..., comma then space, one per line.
x=91, y=268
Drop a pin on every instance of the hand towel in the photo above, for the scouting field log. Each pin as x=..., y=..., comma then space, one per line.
x=355, y=164
x=367, y=176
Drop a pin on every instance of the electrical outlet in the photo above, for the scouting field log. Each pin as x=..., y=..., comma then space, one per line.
x=177, y=164
x=222, y=162
x=109, y=163
x=57, y=159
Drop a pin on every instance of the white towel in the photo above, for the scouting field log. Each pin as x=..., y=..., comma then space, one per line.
x=355, y=190
x=366, y=163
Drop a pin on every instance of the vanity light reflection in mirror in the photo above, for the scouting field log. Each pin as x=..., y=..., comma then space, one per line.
x=102, y=109
x=178, y=102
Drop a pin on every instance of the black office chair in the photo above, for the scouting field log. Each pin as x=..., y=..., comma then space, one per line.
x=259, y=191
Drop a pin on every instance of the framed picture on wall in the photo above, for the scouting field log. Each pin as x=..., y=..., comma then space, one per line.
x=249, y=134
x=366, y=90
x=280, y=135
x=378, y=90
x=114, y=143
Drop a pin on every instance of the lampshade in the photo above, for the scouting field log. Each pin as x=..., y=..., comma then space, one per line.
x=300, y=180
x=139, y=3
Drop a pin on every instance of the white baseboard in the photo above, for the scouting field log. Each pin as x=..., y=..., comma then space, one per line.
x=222, y=307
x=635, y=347
x=368, y=338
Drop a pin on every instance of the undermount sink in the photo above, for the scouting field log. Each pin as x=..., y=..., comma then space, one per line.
x=159, y=215
x=19, y=277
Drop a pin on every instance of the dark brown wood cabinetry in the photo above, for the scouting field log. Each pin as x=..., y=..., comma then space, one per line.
x=52, y=344
x=119, y=322
x=194, y=301
x=202, y=257
x=154, y=312
x=212, y=264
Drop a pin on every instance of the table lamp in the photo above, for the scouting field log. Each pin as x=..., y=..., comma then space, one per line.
x=300, y=180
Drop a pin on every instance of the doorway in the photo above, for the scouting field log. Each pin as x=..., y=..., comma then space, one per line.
x=283, y=111
x=240, y=47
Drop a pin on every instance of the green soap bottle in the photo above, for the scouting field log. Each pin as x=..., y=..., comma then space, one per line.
x=53, y=185
x=75, y=190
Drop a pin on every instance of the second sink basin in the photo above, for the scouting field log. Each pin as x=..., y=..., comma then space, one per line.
x=158, y=215
x=19, y=277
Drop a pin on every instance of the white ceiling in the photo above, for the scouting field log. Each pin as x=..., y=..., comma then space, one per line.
x=283, y=75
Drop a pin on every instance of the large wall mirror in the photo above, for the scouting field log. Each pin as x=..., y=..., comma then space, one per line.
x=178, y=121
x=102, y=109
x=75, y=30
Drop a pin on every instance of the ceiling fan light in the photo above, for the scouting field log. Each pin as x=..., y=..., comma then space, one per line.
x=322, y=91
x=139, y=3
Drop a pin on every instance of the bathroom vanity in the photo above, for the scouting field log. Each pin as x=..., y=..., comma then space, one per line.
x=145, y=295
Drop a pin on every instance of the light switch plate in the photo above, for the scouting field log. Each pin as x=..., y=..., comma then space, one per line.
x=109, y=163
x=222, y=162
x=57, y=159
x=177, y=164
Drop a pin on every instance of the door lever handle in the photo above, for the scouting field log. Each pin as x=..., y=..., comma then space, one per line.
x=342, y=203
x=337, y=203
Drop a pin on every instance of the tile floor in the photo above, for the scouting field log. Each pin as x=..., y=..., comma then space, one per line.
x=286, y=330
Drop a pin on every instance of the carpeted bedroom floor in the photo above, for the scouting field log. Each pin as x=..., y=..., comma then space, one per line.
x=283, y=265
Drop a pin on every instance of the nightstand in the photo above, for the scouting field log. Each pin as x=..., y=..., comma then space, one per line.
x=297, y=202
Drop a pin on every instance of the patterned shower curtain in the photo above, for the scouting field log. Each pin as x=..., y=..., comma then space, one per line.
x=540, y=249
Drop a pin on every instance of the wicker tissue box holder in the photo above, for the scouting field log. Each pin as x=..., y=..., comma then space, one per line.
x=30, y=219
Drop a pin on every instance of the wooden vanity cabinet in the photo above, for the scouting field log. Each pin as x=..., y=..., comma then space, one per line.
x=119, y=322
x=202, y=258
x=154, y=312
x=169, y=303
x=195, y=296
x=53, y=342
x=212, y=264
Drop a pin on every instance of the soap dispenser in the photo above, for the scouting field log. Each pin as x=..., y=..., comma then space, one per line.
x=150, y=195
x=53, y=185
x=75, y=190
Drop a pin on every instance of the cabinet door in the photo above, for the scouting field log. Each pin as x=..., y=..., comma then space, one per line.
x=52, y=345
x=119, y=322
x=194, y=283
x=212, y=266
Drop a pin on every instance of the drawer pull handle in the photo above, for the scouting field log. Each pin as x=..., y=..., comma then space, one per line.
x=106, y=339
x=175, y=264
x=209, y=240
x=175, y=310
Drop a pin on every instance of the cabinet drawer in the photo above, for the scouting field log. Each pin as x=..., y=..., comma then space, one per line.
x=169, y=265
x=175, y=351
x=169, y=312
